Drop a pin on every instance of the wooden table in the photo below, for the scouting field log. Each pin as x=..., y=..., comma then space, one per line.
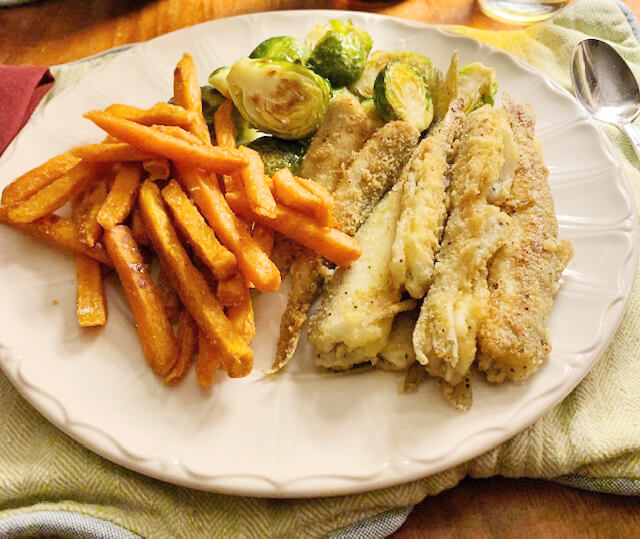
x=57, y=31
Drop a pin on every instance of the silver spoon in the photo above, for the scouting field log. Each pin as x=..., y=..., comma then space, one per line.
x=605, y=85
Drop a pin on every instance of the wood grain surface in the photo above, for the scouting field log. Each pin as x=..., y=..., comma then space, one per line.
x=56, y=31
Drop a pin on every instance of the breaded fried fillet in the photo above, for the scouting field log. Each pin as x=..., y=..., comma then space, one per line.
x=424, y=206
x=372, y=171
x=354, y=317
x=523, y=276
x=444, y=338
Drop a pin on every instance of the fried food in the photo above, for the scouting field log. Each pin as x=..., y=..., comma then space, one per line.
x=63, y=233
x=334, y=245
x=157, y=168
x=193, y=227
x=170, y=299
x=253, y=262
x=85, y=212
x=187, y=94
x=157, y=142
x=223, y=124
x=359, y=190
x=373, y=170
x=192, y=287
x=187, y=335
x=445, y=334
x=110, y=151
x=207, y=363
x=398, y=353
x=138, y=230
x=305, y=196
x=424, y=206
x=91, y=304
x=156, y=335
x=31, y=182
x=121, y=197
x=242, y=317
x=255, y=187
x=344, y=129
x=57, y=193
x=231, y=291
x=523, y=276
x=160, y=113
x=354, y=317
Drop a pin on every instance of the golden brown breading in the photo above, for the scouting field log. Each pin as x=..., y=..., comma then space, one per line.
x=445, y=335
x=354, y=317
x=424, y=206
x=344, y=130
x=523, y=276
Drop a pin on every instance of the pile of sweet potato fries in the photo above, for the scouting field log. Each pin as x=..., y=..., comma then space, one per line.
x=154, y=182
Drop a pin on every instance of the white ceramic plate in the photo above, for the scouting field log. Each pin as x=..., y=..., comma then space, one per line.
x=302, y=433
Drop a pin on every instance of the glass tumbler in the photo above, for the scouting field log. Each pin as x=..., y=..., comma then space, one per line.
x=521, y=11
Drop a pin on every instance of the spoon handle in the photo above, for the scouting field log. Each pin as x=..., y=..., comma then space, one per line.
x=634, y=136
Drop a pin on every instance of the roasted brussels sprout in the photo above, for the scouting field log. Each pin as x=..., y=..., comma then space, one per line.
x=285, y=48
x=339, y=91
x=376, y=62
x=282, y=98
x=477, y=85
x=340, y=53
x=401, y=92
x=218, y=79
x=277, y=153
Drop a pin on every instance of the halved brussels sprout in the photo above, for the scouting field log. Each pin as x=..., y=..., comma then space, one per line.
x=376, y=62
x=339, y=55
x=477, y=85
x=285, y=48
x=340, y=91
x=277, y=153
x=401, y=92
x=285, y=99
x=218, y=79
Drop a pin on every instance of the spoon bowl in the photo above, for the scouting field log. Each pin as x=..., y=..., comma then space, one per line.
x=606, y=87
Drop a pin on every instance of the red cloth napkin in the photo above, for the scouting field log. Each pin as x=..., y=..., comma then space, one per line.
x=21, y=89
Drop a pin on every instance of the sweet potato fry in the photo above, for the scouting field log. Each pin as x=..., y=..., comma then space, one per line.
x=295, y=193
x=186, y=334
x=187, y=94
x=156, y=334
x=253, y=263
x=160, y=113
x=170, y=299
x=61, y=232
x=31, y=182
x=231, y=291
x=121, y=197
x=334, y=245
x=85, y=211
x=192, y=225
x=223, y=123
x=157, y=169
x=158, y=143
x=180, y=133
x=264, y=238
x=138, y=231
x=192, y=286
x=57, y=193
x=242, y=317
x=91, y=304
x=258, y=193
x=207, y=363
x=110, y=151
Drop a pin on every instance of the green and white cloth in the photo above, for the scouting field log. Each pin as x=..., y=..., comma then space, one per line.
x=51, y=484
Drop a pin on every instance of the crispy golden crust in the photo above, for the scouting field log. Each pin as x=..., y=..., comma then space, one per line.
x=343, y=131
x=424, y=207
x=523, y=276
x=445, y=335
